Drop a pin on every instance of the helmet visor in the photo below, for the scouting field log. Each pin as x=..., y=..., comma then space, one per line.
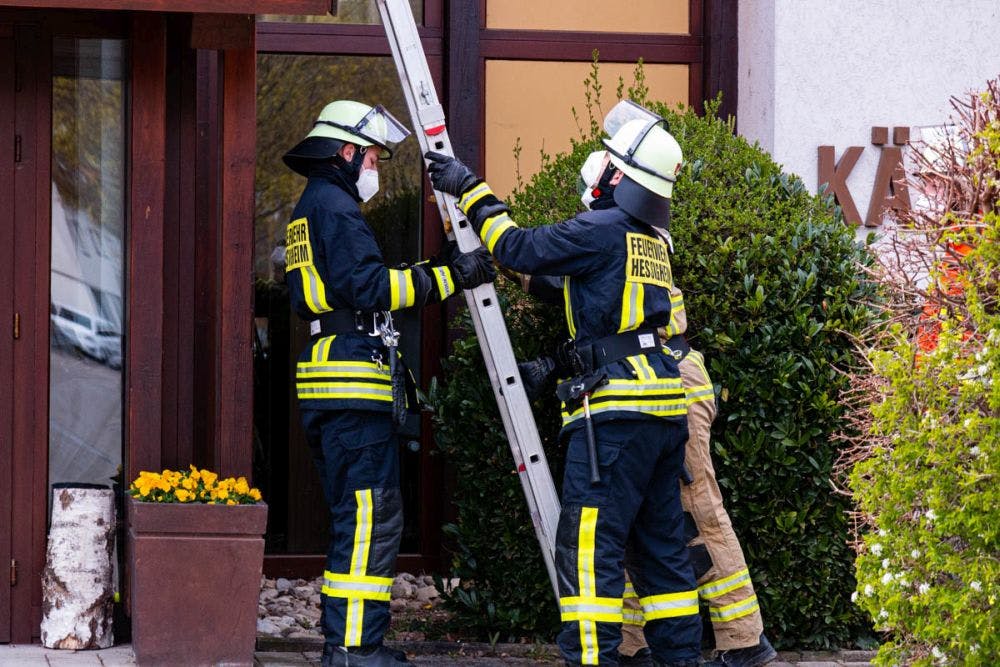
x=625, y=111
x=378, y=126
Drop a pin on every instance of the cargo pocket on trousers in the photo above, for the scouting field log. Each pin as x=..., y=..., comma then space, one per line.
x=578, y=484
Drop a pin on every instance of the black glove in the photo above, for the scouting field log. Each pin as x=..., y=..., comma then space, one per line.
x=471, y=269
x=443, y=256
x=537, y=375
x=449, y=175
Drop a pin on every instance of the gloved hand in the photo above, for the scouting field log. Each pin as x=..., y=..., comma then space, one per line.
x=443, y=256
x=471, y=269
x=449, y=175
x=537, y=375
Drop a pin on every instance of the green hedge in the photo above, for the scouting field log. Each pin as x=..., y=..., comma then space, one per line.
x=771, y=282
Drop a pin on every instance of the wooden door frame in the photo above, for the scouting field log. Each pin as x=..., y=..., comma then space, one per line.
x=32, y=199
x=7, y=308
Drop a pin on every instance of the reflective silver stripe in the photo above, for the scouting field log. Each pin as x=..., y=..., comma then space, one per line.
x=670, y=605
x=733, y=611
x=356, y=590
x=591, y=608
x=345, y=389
x=347, y=370
x=714, y=589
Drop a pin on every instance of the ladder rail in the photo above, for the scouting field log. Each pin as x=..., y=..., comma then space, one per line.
x=494, y=341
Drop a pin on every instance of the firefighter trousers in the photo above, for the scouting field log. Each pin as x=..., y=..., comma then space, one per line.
x=715, y=552
x=633, y=513
x=357, y=458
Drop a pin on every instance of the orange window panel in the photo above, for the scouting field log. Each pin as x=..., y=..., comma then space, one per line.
x=533, y=101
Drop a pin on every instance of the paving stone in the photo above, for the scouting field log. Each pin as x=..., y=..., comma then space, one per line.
x=812, y=663
x=279, y=659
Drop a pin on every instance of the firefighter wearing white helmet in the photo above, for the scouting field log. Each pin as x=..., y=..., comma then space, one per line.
x=623, y=406
x=350, y=380
x=637, y=174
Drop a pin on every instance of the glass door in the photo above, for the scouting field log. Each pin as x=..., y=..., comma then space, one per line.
x=87, y=261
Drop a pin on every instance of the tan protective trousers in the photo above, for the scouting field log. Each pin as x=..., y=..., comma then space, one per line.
x=726, y=586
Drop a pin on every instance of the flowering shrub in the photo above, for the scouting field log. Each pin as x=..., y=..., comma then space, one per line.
x=928, y=568
x=192, y=486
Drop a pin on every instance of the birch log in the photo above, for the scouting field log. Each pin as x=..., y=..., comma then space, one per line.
x=77, y=586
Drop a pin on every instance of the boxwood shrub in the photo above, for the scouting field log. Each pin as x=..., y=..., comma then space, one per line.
x=773, y=290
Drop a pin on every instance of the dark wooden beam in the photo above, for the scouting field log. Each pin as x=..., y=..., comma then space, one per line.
x=301, y=7
x=234, y=411
x=466, y=89
x=579, y=46
x=721, y=53
x=144, y=350
x=322, y=38
x=206, y=258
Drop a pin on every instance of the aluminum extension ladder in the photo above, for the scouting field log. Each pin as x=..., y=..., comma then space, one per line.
x=519, y=423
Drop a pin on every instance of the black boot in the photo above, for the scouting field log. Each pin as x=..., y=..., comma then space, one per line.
x=642, y=658
x=362, y=656
x=751, y=656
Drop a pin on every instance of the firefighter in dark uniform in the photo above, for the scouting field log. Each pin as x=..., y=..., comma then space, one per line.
x=349, y=380
x=626, y=391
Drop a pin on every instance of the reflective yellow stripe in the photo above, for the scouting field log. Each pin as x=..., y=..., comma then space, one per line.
x=587, y=581
x=643, y=363
x=629, y=591
x=633, y=617
x=314, y=290
x=494, y=228
x=719, y=587
x=676, y=308
x=582, y=608
x=361, y=587
x=669, y=605
x=633, y=296
x=351, y=365
x=663, y=397
x=567, y=303
x=445, y=285
x=401, y=291
x=359, y=563
x=701, y=392
x=344, y=391
x=731, y=612
x=321, y=350
x=472, y=196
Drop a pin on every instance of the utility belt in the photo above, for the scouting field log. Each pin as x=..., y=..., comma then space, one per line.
x=607, y=350
x=339, y=322
x=379, y=325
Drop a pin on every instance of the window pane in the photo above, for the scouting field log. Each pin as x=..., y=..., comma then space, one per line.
x=347, y=12
x=291, y=91
x=88, y=169
x=650, y=16
x=555, y=88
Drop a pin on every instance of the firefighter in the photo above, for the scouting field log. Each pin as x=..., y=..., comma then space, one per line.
x=626, y=392
x=715, y=552
x=350, y=381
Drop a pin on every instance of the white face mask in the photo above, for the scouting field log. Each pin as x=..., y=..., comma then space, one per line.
x=367, y=184
x=590, y=173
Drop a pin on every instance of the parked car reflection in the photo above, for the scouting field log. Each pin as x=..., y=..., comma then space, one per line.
x=93, y=336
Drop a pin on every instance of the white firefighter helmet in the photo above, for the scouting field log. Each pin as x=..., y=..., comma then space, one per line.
x=346, y=121
x=648, y=156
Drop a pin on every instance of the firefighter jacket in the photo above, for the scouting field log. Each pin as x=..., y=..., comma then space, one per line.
x=333, y=262
x=616, y=278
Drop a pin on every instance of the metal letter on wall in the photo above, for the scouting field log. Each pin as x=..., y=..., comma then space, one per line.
x=833, y=178
x=890, y=190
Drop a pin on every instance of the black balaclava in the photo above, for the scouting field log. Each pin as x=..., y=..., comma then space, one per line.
x=340, y=172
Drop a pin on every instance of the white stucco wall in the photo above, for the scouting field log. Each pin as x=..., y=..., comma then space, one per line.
x=822, y=72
